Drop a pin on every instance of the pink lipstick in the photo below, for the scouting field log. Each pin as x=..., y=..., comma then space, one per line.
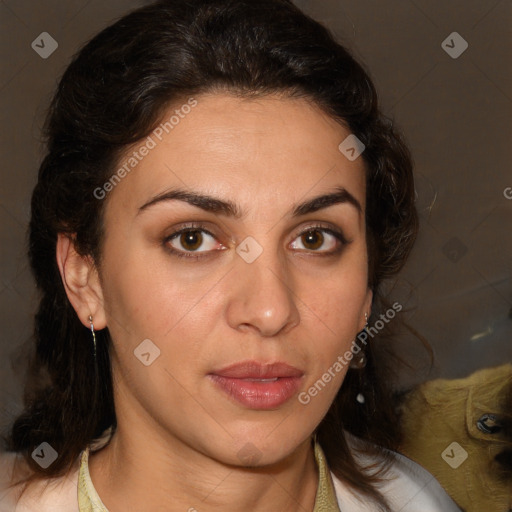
x=257, y=385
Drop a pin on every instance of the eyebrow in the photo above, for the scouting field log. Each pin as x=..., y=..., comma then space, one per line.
x=230, y=209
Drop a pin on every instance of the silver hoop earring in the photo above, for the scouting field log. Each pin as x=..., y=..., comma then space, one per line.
x=93, y=335
x=359, y=360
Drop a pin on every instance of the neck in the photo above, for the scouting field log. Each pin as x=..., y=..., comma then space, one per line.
x=136, y=471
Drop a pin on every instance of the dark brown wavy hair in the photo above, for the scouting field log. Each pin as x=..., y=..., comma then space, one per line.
x=113, y=94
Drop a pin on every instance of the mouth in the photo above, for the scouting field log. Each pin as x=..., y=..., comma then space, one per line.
x=258, y=386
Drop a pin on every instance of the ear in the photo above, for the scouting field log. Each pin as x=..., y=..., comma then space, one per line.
x=367, y=308
x=81, y=282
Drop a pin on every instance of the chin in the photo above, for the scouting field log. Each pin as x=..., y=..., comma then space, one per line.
x=264, y=449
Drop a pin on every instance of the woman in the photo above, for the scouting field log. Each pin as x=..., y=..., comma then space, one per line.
x=219, y=205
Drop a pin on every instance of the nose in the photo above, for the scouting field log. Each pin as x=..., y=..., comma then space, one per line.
x=261, y=298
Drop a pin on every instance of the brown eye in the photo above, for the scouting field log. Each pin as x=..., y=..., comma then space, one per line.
x=312, y=240
x=191, y=240
x=319, y=240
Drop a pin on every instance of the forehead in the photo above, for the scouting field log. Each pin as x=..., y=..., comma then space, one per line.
x=272, y=147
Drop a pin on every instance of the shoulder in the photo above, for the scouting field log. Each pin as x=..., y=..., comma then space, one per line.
x=407, y=487
x=55, y=495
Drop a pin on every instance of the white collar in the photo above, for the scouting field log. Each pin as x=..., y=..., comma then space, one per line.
x=407, y=486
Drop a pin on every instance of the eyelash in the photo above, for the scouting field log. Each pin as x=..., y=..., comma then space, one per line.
x=200, y=227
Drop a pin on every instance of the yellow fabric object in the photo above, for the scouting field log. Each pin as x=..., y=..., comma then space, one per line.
x=325, y=501
x=441, y=433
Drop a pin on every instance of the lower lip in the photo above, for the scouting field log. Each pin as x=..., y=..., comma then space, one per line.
x=257, y=394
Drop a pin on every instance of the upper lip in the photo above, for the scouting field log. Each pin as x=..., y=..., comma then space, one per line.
x=256, y=370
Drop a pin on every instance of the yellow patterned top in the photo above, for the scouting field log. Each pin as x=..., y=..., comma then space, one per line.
x=325, y=501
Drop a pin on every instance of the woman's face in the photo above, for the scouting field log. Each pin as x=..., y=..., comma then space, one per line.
x=236, y=245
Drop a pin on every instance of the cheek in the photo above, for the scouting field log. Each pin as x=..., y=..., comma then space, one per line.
x=337, y=300
x=146, y=293
x=333, y=316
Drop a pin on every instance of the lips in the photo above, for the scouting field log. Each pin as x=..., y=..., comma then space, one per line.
x=255, y=370
x=258, y=386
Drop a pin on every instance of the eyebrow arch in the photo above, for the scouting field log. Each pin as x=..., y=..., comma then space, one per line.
x=214, y=205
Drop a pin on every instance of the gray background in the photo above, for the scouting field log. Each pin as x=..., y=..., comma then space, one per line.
x=456, y=114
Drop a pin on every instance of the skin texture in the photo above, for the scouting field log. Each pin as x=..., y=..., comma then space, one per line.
x=179, y=436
